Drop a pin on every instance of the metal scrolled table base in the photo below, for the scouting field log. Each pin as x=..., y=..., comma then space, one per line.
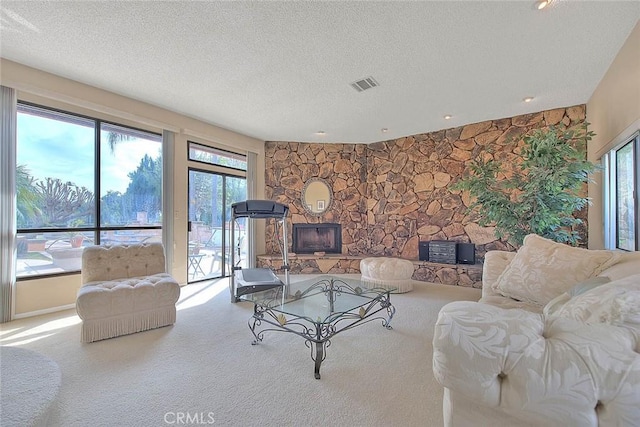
x=317, y=335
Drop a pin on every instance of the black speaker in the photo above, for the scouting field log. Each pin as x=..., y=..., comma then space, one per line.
x=442, y=251
x=466, y=253
x=423, y=251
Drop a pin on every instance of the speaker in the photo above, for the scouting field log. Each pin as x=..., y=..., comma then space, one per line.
x=423, y=251
x=442, y=251
x=466, y=253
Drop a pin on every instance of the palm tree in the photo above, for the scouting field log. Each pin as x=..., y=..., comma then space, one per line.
x=117, y=137
x=28, y=198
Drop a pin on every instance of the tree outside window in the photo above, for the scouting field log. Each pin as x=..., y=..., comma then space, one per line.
x=58, y=177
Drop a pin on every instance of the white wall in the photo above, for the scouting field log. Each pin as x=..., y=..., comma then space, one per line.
x=54, y=91
x=614, y=115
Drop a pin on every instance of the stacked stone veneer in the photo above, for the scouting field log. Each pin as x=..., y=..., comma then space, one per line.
x=344, y=166
x=390, y=195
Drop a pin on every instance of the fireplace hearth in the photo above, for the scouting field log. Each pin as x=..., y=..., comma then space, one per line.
x=310, y=238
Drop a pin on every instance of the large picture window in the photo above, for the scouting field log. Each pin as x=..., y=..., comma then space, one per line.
x=622, y=174
x=63, y=162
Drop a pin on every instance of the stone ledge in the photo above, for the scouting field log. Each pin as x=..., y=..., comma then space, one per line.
x=310, y=264
x=449, y=274
x=469, y=275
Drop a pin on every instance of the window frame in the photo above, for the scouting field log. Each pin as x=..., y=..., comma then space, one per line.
x=232, y=155
x=610, y=193
x=97, y=228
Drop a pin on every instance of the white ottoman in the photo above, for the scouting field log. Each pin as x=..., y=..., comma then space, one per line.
x=383, y=272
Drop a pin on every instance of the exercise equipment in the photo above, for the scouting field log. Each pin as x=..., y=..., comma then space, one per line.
x=249, y=280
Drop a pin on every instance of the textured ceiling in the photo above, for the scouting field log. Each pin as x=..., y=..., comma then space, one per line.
x=282, y=70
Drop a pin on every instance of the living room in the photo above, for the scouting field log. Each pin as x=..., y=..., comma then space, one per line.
x=398, y=169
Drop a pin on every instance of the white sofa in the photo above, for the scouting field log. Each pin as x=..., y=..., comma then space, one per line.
x=125, y=289
x=565, y=354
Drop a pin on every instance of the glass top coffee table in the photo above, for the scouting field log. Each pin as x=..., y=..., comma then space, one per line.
x=317, y=309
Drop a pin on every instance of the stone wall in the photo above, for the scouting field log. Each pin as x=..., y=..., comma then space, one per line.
x=344, y=166
x=390, y=195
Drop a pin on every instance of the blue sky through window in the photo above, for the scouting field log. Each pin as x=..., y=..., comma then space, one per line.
x=50, y=148
x=58, y=149
x=124, y=158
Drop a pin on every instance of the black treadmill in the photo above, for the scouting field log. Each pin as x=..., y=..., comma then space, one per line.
x=249, y=280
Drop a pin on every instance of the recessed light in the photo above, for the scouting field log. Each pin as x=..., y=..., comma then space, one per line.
x=542, y=4
x=321, y=133
x=528, y=99
x=384, y=130
x=447, y=117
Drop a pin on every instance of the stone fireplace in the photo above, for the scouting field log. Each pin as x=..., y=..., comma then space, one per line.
x=310, y=238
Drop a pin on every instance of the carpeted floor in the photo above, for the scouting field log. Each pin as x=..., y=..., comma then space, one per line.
x=29, y=384
x=204, y=370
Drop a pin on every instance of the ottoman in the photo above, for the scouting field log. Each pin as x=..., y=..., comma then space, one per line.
x=384, y=272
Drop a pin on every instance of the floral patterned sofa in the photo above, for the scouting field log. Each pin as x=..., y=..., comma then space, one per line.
x=554, y=341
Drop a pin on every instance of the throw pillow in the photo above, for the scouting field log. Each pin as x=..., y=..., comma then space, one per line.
x=555, y=304
x=616, y=303
x=543, y=269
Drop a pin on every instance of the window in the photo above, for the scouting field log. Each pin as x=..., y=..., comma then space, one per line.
x=622, y=175
x=217, y=179
x=63, y=161
x=216, y=156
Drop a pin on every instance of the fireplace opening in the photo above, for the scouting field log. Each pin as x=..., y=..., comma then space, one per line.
x=310, y=238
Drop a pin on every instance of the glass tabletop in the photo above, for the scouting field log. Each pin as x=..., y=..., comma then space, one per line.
x=321, y=299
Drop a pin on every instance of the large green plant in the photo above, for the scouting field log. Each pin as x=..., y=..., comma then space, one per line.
x=541, y=194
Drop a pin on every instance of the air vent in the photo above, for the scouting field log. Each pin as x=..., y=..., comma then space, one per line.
x=364, y=84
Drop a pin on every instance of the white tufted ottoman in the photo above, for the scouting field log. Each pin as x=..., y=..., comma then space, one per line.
x=125, y=290
x=388, y=272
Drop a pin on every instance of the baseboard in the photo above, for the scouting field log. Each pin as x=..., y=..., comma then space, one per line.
x=44, y=311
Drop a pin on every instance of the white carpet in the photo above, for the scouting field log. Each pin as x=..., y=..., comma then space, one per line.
x=205, y=367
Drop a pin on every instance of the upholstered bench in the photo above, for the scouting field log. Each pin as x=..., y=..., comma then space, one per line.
x=387, y=272
x=125, y=290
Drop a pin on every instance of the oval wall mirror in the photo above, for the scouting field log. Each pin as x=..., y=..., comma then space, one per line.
x=316, y=196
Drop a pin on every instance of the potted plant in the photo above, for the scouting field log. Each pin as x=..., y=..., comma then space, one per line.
x=76, y=237
x=76, y=240
x=541, y=194
x=36, y=244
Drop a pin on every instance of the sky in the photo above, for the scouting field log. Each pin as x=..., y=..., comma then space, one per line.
x=56, y=149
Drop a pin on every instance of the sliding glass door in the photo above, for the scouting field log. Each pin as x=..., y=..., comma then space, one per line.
x=210, y=197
